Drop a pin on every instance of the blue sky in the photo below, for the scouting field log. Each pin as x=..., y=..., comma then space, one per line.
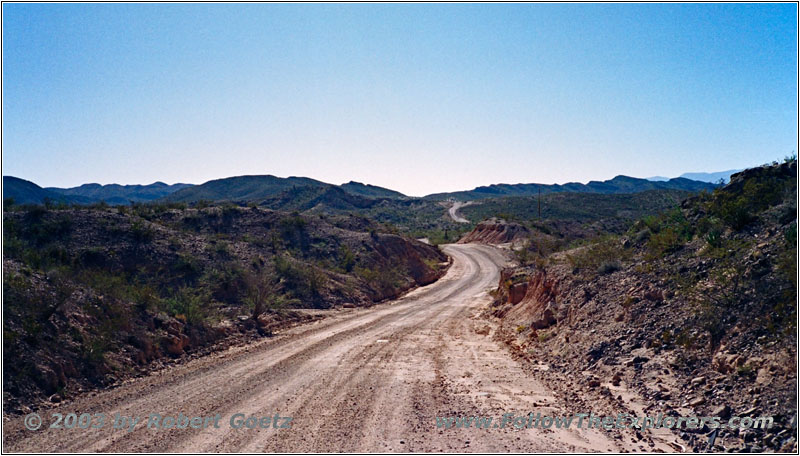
x=420, y=98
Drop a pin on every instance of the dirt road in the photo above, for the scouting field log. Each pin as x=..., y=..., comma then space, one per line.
x=361, y=380
x=453, y=211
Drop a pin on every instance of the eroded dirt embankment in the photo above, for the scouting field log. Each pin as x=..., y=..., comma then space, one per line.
x=495, y=232
x=625, y=340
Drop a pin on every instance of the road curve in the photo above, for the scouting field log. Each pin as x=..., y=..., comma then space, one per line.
x=362, y=380
x=453, y=211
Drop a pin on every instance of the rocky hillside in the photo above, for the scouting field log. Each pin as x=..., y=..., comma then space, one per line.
x=94, y=295
x=692, y=312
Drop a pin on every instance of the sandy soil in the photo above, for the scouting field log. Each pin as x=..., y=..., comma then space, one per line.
x=362, y=380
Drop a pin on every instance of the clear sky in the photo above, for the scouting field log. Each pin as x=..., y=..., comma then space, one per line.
x=414, y=97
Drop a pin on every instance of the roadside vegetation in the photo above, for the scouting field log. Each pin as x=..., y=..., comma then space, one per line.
x=96, y=293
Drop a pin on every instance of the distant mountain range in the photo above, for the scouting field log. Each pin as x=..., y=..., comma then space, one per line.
x=116, y=194
x=619, y=184
x=303, y=193
x=702, y=177
x=241, y=188
x=26, y=192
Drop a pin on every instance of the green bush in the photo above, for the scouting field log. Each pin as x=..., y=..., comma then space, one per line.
x=603, y=256
x=669, y=231
x=385, y=280
x=190, y=305
x=293, y=231
x=303, y=282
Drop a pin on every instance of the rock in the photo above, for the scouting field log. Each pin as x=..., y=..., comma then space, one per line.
x=654, y=295
x=616, y=379
x=764, y=377
x=698, y=381
x=723, y=411
x=749, y=411
x=725, y=362
x=174, y=344
x=516, y=292
x=697, y=401
x=548, y=317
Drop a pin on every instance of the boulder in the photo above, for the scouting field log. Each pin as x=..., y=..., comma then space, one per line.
x=548, y=317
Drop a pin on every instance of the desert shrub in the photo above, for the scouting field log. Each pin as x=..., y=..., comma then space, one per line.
x=230, y=211
x=263, y=294
x=93, y=257
x=669, y=231
x=711, y=229
x=603, y=255
x=785, y=309
x=40, y=230
x=347, y=259
x=227, y=284
x=734, y=211
x=219, y=248
x=607, y=267
x=292, y=230
x=141, y=232
x=301, y=282
x=382, y=279
x=193, y=221
x=741, y=208
x=187, y=268
x=189, y=304
x=98, y=206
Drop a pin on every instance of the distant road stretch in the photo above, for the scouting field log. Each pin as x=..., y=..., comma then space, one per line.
x=453, y=211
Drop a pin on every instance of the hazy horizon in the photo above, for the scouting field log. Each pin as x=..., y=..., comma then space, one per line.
x=417, y=98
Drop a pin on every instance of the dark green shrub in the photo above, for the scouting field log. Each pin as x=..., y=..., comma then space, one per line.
x=607, y=267
x=300, y=281
x=142, y=233
x=190, y=305
x=347, y=260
